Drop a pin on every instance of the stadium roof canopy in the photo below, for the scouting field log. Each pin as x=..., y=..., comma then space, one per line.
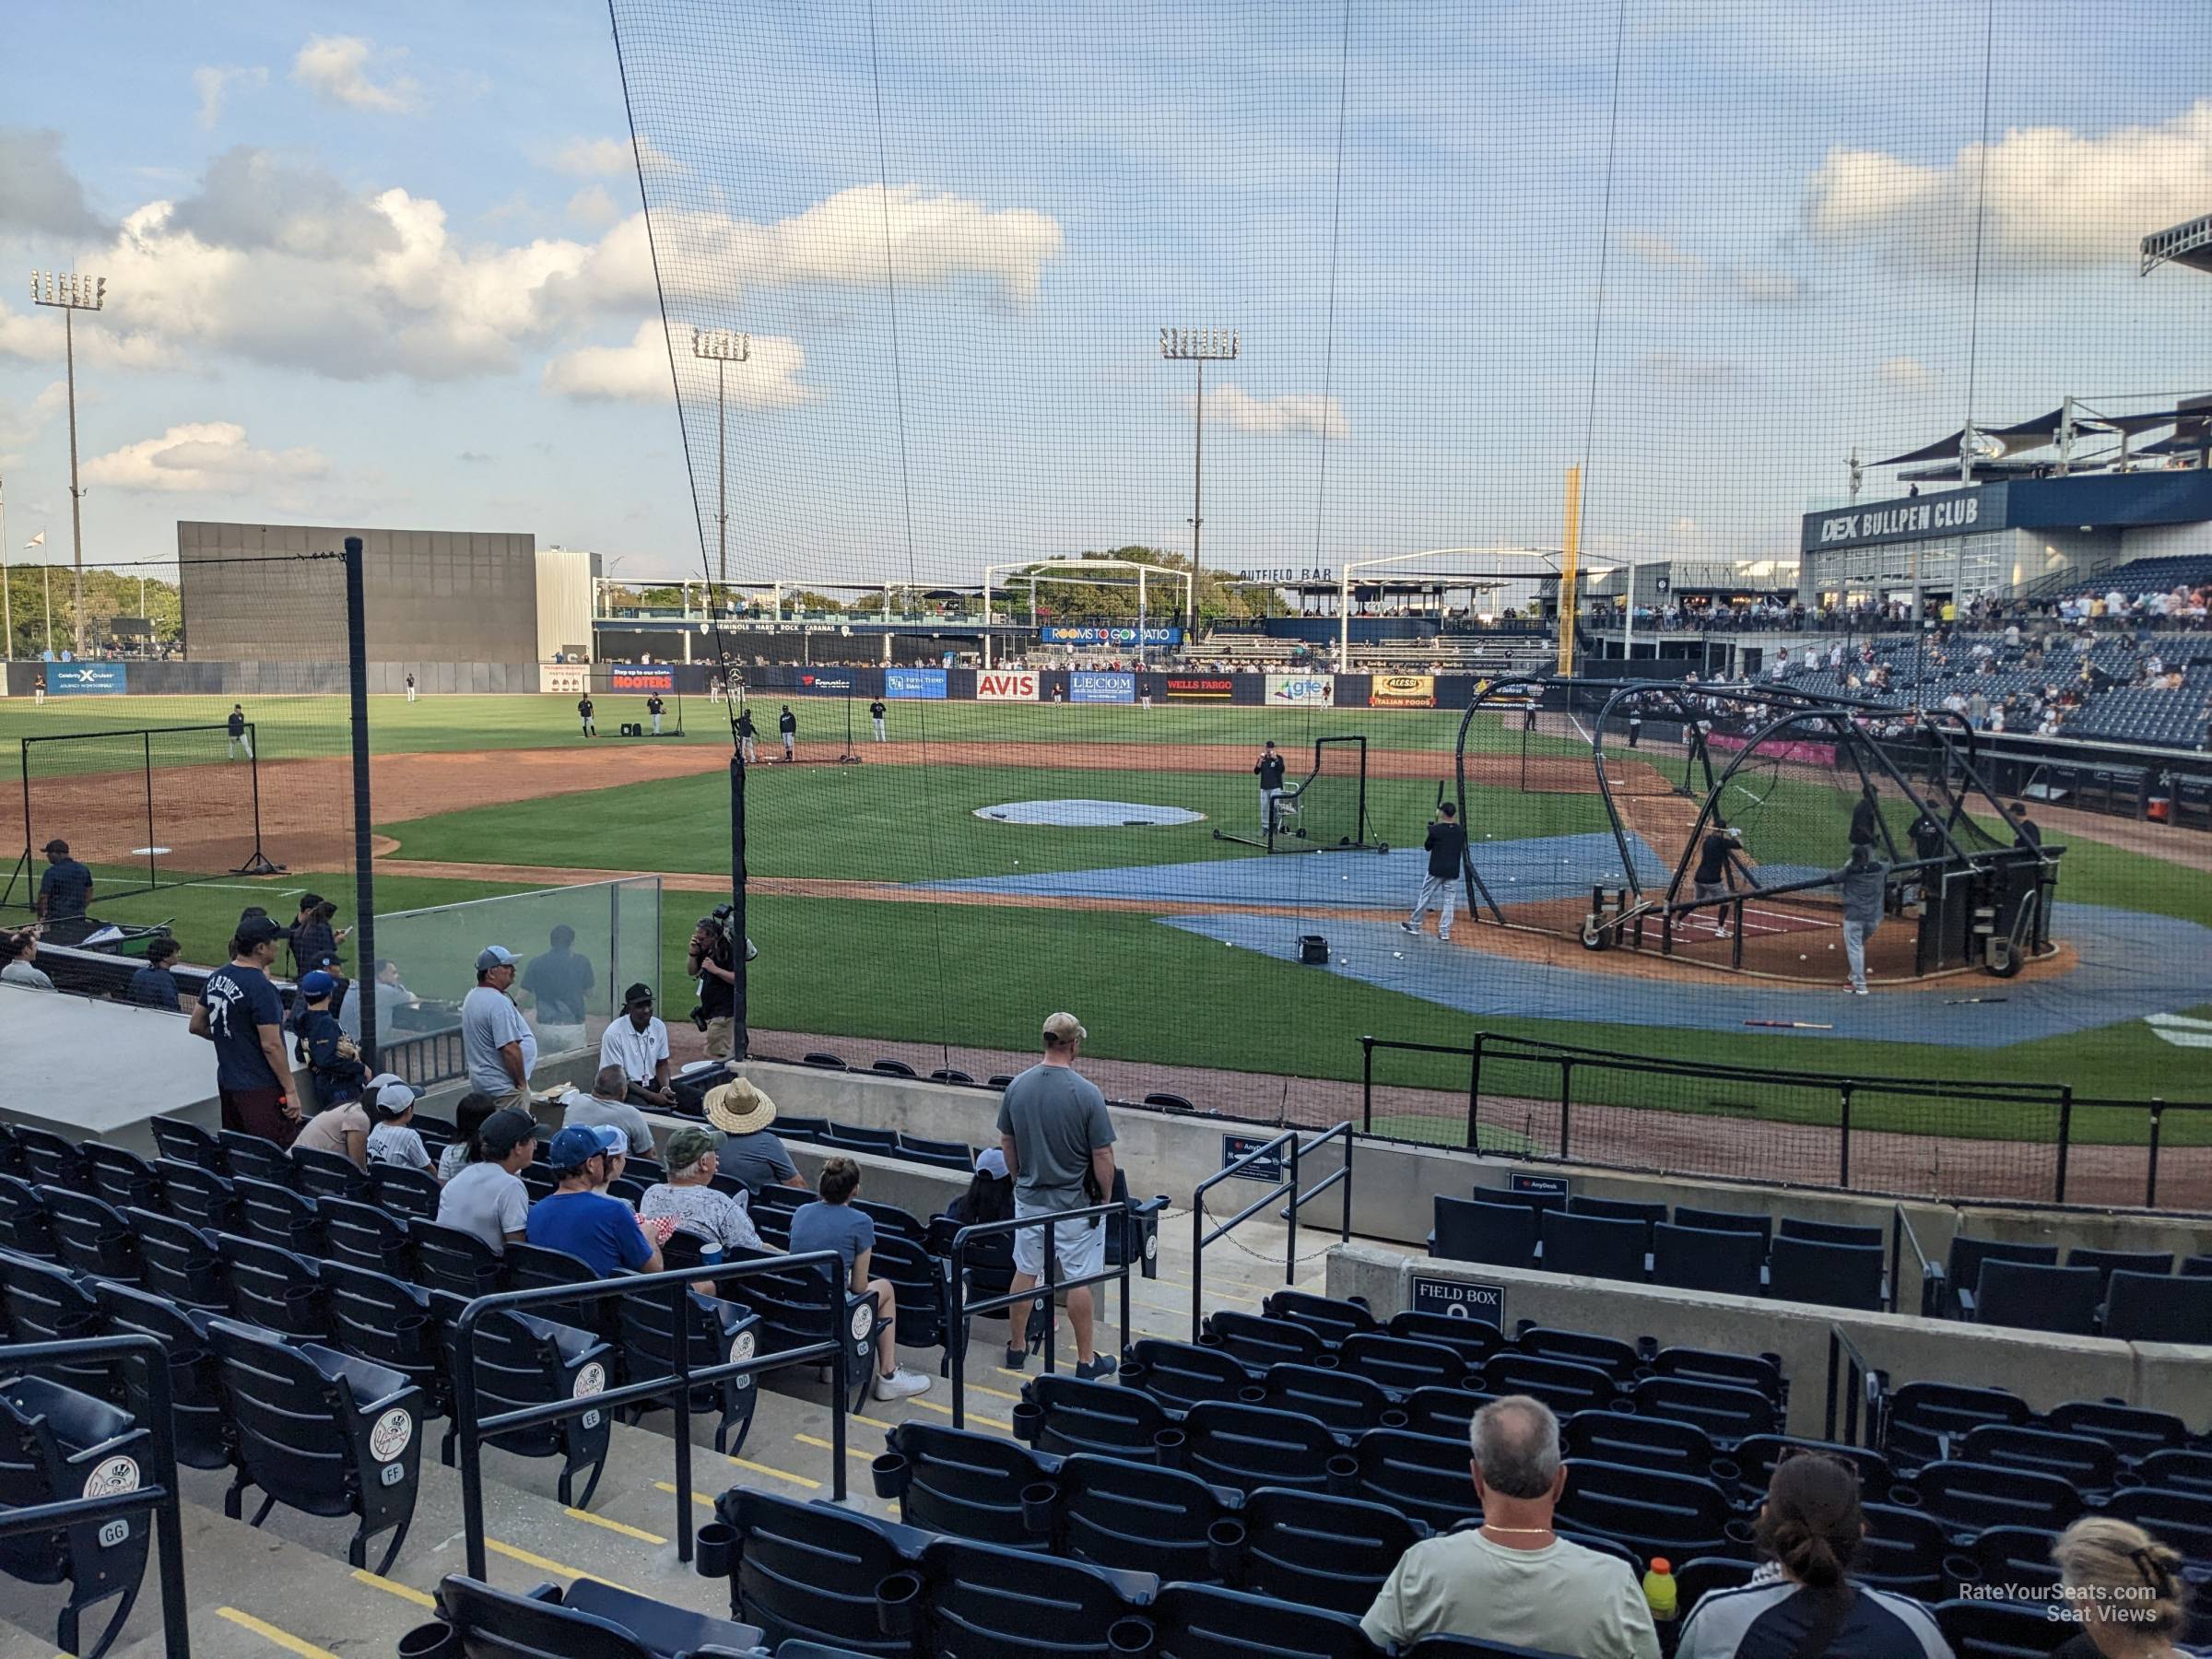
x=2189, y=243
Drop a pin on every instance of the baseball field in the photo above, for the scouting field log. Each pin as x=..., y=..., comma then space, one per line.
x=891, y=909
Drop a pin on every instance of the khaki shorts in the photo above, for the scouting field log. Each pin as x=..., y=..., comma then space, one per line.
x=722, y=1038
x=1078, y=1247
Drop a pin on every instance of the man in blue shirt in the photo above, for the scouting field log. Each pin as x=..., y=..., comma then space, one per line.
x=593, y=1227
x=242, y=1014
x=65, y=889
x=153, y=986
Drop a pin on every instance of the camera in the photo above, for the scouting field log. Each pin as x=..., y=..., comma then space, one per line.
x=724, y=916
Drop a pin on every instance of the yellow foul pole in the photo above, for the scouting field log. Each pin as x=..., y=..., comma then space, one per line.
x=1569, y=594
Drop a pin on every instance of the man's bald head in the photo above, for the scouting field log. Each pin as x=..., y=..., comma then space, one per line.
x=611, y=1084
x=1516, y=1442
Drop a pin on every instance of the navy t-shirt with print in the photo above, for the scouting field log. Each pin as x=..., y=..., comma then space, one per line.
x=238, y=1000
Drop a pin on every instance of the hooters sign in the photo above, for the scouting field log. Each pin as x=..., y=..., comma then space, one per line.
x=1006, y=685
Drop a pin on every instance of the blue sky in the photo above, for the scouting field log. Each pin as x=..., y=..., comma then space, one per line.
x=385, y=265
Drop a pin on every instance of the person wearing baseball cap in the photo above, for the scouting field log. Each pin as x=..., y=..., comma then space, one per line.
x=65, y=889
x=393, y=1138
x=242, y=1014
x=487, y=1198
x=748, y=1152
x=342, y=1126
x=496, y=1041
x=637, y=1043
x=599, y=1229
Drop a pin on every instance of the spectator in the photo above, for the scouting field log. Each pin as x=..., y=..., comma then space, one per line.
x=748, y=1152
x=496, y=1042
x=240, y=1013
x=712, y=964
x=557, y=982
x=331, y=1059
x=1514, y=1579
x=19, y=952
x=637, y=1044
x=989, y=1198
x=469, y=1114
x=1058, y=1142
x=487, y=1196
x=314, y=943
x=2126, y=1587
x=393, y=1139
x=65, y=889
x=832, y=1223
x=688, y=1197
x=598, y=1230
x=1802, y=1599
x=391, y=996
x=154, y=987
x=341, y=1127
x=603, y=1106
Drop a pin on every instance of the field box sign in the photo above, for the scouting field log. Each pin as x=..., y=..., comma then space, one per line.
x=1460, y=1298
x=1006, y=685
x=1268, y=1169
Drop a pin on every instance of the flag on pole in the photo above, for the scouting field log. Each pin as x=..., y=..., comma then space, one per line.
x=37, y=541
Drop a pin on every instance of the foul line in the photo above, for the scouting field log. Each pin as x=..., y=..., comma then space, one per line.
x=545, y=1565
x=271, y=1634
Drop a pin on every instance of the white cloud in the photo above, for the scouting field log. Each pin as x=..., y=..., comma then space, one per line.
x=38, y=191
x=592, y=206
x=19, y=422
x=1672, y=369
x=638, y=372
x=1905, y=374
x=338, y=66
x=209, y=457
x=1281, y=415
x=1704, y=279
x=606, y=159
x=213, y=84
x=2055, y=196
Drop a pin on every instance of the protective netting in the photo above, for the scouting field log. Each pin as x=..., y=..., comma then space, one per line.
x=1328, y=809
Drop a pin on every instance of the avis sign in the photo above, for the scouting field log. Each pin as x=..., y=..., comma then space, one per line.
x=1006, y=685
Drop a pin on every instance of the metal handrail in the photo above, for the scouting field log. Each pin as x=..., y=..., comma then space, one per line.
x=156, y=1499
x=1288, y=1186
x=1931, y=1274
x=1863, y=1385
x=963, y=1309
x=472, y=1431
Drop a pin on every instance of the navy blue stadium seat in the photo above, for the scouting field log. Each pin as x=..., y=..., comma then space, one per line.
x=1204, y=1621
x=1230, y=1444
x=458, y=1263
x=852, y=1137
x=1313, y=1548
x=1726, y=1221
x=275, y=1289
x=1919, y=1417
x=966, y=1485
x=1618, y=1210
x=952, y=1074
x=1180, y=1375
x=1475, y=1340
x=1444, y=1413
x=810, y=1571
x=1962, y=1269
x=56, y=1443
x=2015, y=1555
x=200, y=1196
x=2131, y=1430
x=796, y=1305
x=317, y=1430
x=2030, y=1296
x=2196, y=1267
x=1565, y=1385
x=2108, y=1262
x=1527, y=1201
x=46, y=1303
x=2086, y=1462
x=981, y=1602
x=383, y=1319
x=1724, y=1411
x=1255, y=1340
x=411, y=1195
x=2178, y=1470
x=2149, y=1307
x=196, y=1385
x=800, y=1128
x=1829, y=1232
x=1401, y=1363
x=592, y=1619
x=1342, y=1400
x=49, y=1160
x=1061, y=1414
x=121, y=1177
x=523, y=1360
x=1762, y=1371
x=1616, y=1358
x=91, y=1236
x=277, y=1214
x=250, y=1158
x=328, y=1174
x=1904, y=1552
x=827, y=1062
x=718, y=1333
x=1985, y=1630
x=1592, y=1246
x=526, y=1266
x=367, y=1235
x=1757, y=1456
x=1137, y=1517
x=1466, y=1231
x=26, y=1227
x=1967, y=1497
x=2175, y=1517
x=1696, y=1579
x=1651, y=1512
x=1832, y=1276
x=188, y=1143
x=1167, y=1102
x=1695, y=1258
x=894, y=1068
x=1422, y=1477
x=1327, y=1318
x=940, y=1154
x=918, y=1281
x=1650, y=1443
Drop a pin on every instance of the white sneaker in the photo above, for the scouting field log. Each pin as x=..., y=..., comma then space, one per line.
x=1443, y=939
x=900, y=1384
x=1858, y=990
x=1409, y=928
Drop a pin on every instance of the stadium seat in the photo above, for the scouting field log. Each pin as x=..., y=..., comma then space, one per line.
x=1990, y=1629
x=1137, y=1517
x=45, y=1303
x=1061, y=1414
x=1755, y=1456
x=850, y=1137
x=1167, y=1102
x=800, y=1128
x=893, y=1068
x=1762, y=1371
x=1329, y=1319
x=188, y=1143
x=367, y=1235
x=197, y=1195
x=248, y=1157
x=967, y=1485
x=277, y=1214
x=1616, y=1358
x=1649, y=1442
x=2086, y=1462
x=1651, y=1512
x=523, y=1360
x=1341, y=1400
x=810, y=1571
x=26, y=1227
x=1831, y=1276
x=1476, y=1340
x=797, y=1306
x=938, y=1154
x=1963, y=1270
x=951, y=1074
x=1724, y=1411
x=1527, y=1201
x=51, y=1161
x=1692, y=1258
x=1180, y=1374
x=1592, y=1246
x=2176, y=1517
x=1206, y=1622
x=998, y=1081
x=2031, y=1297
x=918, y=1282
x=1619, y=1209
x=526, y=1266
x=2196, y=1267
x=2178, y=1470
x=1920, y=1417
x=1967, y=1497
x=2130, y=1431
x=1313, y=1548
x=2108, y=1262
x=1255, y=1340
x=1696, y=1579
x=1401, y=1363
x=381, y=1318
x=1565, y=1385
x=328, y=1175
x=718, y=1333
x=1467, y=1231
x=2150, y=1307
x=1424, y=1478
x=1904, y=1552
x=317, y=1430
x=57, y=1443
x=1829, y=1232
x=592, y=1619
x=197, y=1409
x=2014, y=1555
x=411, y=1195
x=1726, y=1221
x=121, y=1177
x=1444, y=1413
x=91, y=1236
x=825, y=1061
x=1230, y=1444
x=982, y=1602
x=451, y=1260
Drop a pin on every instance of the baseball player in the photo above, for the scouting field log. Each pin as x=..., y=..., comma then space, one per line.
x=410, y=688
x=713, y=688
x=653, y=707
x=1710, y=881
x=1446, y=844
x=1269, y=771
x=788, y=724
x=236, y=727
x=585, y=713
x=875, y=718
x=746, y=732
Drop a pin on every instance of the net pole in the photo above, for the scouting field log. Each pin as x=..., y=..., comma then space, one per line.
x=740, y=1000
x=364, y=870
x=146, y=746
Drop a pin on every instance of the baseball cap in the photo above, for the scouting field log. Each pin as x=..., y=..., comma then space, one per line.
x=259, y=930
x=392, y=1098
x=56, y=845
x=991, y=1161
x=1065, y=1027
x=505, y=1130
x=572, y=1148
x=494, y=956
x=611, y=1140
x=317, y=984
x=639, y=993
x=688, y=1146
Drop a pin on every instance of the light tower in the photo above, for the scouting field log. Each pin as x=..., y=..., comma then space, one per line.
x=1199, y=346
x=721, y=347
x=69, y=292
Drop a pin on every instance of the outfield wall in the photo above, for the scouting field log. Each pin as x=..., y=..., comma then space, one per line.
x=271, y=679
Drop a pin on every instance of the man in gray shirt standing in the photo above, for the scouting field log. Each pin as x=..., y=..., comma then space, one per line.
x=496, y=1042
x=1865, y=882
x=1055, y=1129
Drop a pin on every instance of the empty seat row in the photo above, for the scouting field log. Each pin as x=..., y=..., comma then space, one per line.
x=2090, y=1299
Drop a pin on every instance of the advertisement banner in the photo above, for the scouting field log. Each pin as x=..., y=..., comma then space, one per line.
x=1006, y=685
x=1050, y=635
x=1401, y=691
x=826, y=681
x=1301, y=691
x=1811, y=754
x=85, y=679
x=641, y=679
x=1201, y=687
x=564, y=679
x=1085, y=687
x=914, y=682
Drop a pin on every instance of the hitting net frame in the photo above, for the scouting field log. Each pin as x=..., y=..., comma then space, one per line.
x=1295, y=822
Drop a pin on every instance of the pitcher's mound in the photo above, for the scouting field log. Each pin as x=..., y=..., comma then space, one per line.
x=1088, y=815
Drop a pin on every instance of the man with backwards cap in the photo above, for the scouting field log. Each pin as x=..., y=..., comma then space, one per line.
x=637, y=1043
x=595, y=1228
x=496, y=1041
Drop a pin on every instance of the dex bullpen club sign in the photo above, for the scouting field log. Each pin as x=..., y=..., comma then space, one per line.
x=1006, y=685
x=1401, y=691
x=1207, y=688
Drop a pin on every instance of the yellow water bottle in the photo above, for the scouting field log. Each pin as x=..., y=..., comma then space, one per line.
x=1659, y=1591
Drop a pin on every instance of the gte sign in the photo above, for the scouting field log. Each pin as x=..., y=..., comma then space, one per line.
x=995, y=685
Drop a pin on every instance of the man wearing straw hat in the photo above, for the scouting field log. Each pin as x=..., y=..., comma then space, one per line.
x=748, y=1152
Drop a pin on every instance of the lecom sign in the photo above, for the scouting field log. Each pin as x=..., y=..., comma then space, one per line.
x=1006, y=685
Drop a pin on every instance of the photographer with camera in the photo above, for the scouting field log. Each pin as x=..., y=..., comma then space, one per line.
x=711, y=962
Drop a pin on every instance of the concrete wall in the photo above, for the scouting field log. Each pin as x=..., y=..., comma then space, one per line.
x=2045, y=1370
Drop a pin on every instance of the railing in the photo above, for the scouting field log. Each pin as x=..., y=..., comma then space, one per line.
x=963, y=1309
x=1272, y=1151
x=425, y=1060
x=156, y=1501
x=1851, y=1384
x=1931, y=1272
x=472, y=1431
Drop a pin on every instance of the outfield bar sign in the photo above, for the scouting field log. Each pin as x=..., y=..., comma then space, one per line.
x=1301, y=691
x=1050, y=635
x=1460, y=1298
x=1006, y=685
x=641, y=679
x=1401, y=691
x=927, y=683
x=1084, y=686
x=87, y=679
x=1210, y=687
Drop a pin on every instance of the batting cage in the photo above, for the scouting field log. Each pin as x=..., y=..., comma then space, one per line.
x=1325, y=811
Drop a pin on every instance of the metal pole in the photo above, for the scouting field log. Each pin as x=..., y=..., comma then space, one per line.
x=1367, y=1084
x=1198, y=474
x=1051, y=1319
x=46, y=583
x=1566, y=1101
x=740, y=1001
x=8, y=601
x=472, y=1451
x=721, y=478
x=76, y=515
x=1628, y=620
x=1844, y=1128
x=1475, y=1094
x=146, y=746
x=1290, y=1237
x=1197, y=1262
x=681, y=1324
x=957, y=1335
x=2151, y=1173
x=364, y=862
x=2065, y=1136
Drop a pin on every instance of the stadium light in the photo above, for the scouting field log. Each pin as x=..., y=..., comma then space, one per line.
x=721, y=347
x=70, y=292
x=1199, y=346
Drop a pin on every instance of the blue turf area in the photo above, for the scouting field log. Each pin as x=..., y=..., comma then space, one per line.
x=2132, y=964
